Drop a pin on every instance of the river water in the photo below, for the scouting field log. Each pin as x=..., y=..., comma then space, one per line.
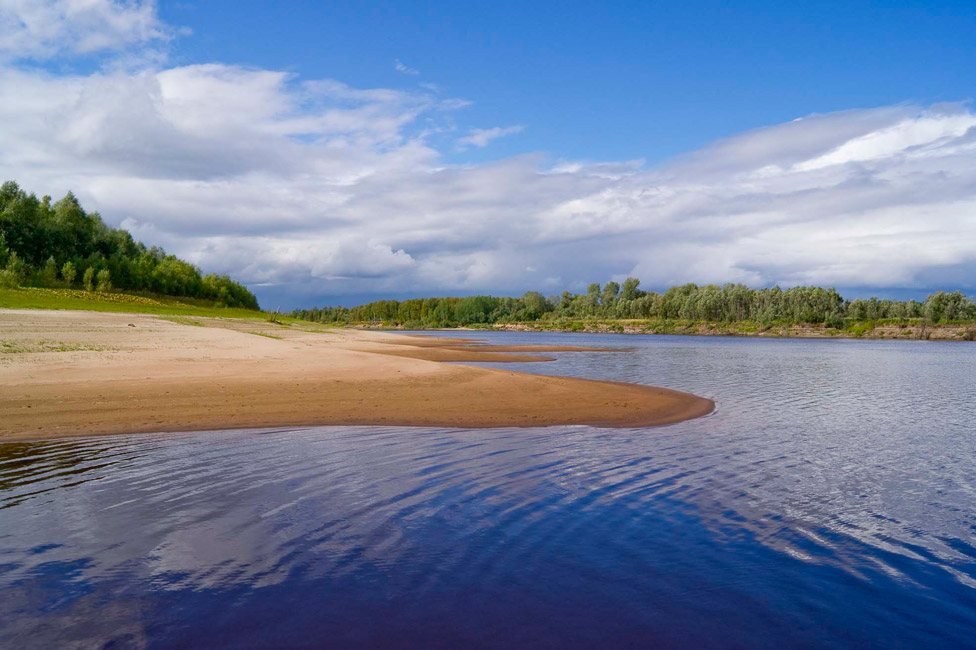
x=829, y=502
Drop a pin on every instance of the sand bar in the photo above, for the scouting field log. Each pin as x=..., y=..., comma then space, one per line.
x=67, y=373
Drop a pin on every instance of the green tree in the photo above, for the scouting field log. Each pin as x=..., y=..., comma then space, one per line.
x=4, y=251
x=49, y=273
x=37, y=229
x=473, y=309
x=104, y=280
x=88, y=278
x=69, y=272
x=14, y=272
x=630, y=290
x=593, y=296
x=610, y=293
x=534, y=305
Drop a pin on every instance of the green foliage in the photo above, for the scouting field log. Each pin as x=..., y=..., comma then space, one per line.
x=471, y=310
x=945, y=307
x=610, y=293
x=68, y=273
x=860, y=329
x=104, y=279
x=7, y=279
x=14, y=271
x=534, y=306
x=593, y=296
x=630, y=290
x=758, y=310
x=88, y=279
x=43, y=236
x=835, y=320
x=49, y=272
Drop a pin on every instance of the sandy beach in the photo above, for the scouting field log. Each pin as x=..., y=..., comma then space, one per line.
x=69, y=373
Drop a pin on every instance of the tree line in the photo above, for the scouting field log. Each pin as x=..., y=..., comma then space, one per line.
x=44, y=244
x=689, y=302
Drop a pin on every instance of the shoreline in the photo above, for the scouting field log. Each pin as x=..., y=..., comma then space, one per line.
x=73, y=373
x=882, y=332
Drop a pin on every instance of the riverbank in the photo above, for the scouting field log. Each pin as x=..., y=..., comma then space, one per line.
x=67, y=373
x=905, y=329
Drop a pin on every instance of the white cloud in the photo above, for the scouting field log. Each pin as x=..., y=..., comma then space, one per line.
x=329, y=189
x=400, y=67
x=44, y=28
x=319, y=189
x=481, y=137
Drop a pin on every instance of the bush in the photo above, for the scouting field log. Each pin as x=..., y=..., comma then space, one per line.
x=15, y=271
x=104, y=281
x=88, y=279
x=8, y=280
x=835, y=320
x=68, y=273
x=860, y=329
x=49, y=273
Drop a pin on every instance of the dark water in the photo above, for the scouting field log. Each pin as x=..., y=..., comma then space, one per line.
x=830, y=502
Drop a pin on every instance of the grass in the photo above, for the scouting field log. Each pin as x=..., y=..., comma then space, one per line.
x=15, y=347
x=183, y=320
x=861, y=328
x=265, y=335
x=37, y=298
x=176, y=310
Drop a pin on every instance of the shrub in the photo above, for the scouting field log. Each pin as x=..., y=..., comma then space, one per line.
x=15, y=271
x=8, y=280
x=88, y=279
x=860, y=329
x=835, y=319
x=104, y=280
x=49, y=273
x=69, y=272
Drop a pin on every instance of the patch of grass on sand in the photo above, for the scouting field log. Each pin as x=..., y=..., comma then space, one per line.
x=24, y=347
x=264, y=334
x=182, y=320
x=37, y=298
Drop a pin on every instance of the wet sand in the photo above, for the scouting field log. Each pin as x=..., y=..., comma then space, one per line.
x=67, y=373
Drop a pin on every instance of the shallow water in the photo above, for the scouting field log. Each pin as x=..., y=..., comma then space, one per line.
x=829, y=502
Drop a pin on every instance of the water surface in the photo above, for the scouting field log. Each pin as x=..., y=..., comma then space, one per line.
x=829, y=502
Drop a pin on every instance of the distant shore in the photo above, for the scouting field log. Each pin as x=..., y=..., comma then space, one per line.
x=881, y=330
x=68, y=373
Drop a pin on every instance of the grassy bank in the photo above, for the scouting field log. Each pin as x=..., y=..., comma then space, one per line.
x=38, y=298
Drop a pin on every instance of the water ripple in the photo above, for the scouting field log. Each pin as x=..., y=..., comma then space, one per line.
x=830, y=502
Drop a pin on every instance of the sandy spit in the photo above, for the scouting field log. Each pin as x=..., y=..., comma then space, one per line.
x=70, y=373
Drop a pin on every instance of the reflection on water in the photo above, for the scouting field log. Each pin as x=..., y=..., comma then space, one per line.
x=827, y=503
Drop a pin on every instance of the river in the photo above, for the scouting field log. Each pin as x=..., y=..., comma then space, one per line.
x=829, y=502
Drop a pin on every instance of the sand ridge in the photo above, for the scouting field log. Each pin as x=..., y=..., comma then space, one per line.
x=65, y=373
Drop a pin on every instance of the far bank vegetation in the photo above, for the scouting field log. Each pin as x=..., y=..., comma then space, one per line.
x=688, y=309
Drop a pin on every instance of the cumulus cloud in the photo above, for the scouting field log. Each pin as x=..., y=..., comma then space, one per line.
x=316, y=189
x=481, y=137
x=41, y=29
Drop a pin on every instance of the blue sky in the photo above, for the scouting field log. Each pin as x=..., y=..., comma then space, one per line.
x=334, y=152
x=613, y=80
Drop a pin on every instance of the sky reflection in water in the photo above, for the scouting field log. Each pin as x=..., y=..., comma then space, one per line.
x=828, y=503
